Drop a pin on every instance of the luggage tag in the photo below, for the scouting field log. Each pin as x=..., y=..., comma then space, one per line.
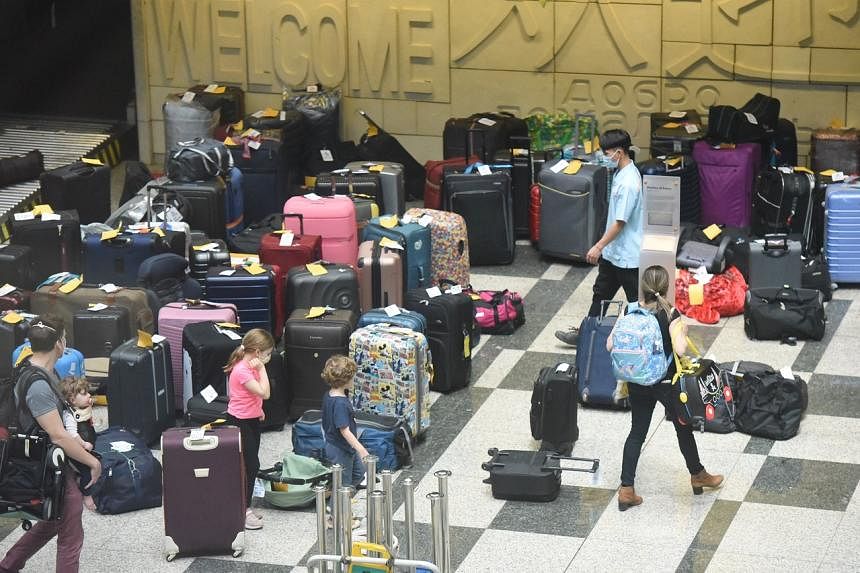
x=392, y=310
x=144, y=339
x=188, y=97
x=425, y=220
x=318, y=311
x=390, y=243
x=559, y=166
x=286, y=239
x=712, y=232
x=696, y=293
x=12, y=317
x=42, y=210
x=467, y=346
x=230, y=142
x=158, y=339
x=97, y=307
x=215, y=89
x=70, y=286
x=25, y=353
x=484, y=170
x=225, y=328
x=255, y=269
x=326, y=155
x=250, y=133
x=205, y=248
x=573, y=167
x=487, y=121
x=316, y=269
x=109, y=288
x=671, y=125
x=6, y=289
x=209, y=394
x=751, y=118
x=108, y=235
x=835, y=176
x=388, y=222
x=562, y=367
x=91, y=161
x=801, y=169
x=376, y=168
x=28, y=216
x=433, y=292
x=677, y=114
x=691, y=128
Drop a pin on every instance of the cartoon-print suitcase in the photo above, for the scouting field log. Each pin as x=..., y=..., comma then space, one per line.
x=449, y=244
x=394, y=371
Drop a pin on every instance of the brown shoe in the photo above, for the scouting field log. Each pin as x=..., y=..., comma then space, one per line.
x=627, y=498
x=704, y=479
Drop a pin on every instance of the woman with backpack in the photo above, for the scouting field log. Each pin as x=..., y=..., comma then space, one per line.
x=652, y=383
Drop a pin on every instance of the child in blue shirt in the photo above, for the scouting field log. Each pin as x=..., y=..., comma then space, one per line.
x=338, y=420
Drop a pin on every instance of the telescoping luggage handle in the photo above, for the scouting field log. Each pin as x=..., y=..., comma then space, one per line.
x=605, y=305
x=298, y=216
x=495, y=453
x=776, y=244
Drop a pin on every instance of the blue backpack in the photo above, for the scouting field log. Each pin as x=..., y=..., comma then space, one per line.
x=637, y=348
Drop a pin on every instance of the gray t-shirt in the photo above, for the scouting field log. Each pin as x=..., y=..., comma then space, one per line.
x=41, y=399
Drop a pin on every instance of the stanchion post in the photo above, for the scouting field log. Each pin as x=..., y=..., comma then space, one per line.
x=409, y=516
x=320, y=490
x=442, y=477
x=388, y=507
x=436, y=527
x=336, y=483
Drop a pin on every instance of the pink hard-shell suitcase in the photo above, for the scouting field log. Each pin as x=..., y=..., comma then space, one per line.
x=726, y=180
x=333, y=218
x=173, y=317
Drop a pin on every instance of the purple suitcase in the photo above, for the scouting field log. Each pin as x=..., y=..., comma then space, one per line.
x=173, y=317
x=198, y=472
x=726, y=181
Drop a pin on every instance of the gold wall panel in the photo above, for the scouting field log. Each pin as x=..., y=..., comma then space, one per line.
x=698, y=61
x=520, y=93
x=701, y=94
x=502, y=35
x=607, y=38
x=753, y=62
x=810, y=107
x=352, y=124
x=817, y=23
x=431, y=116
x=853, y=108
x=835, y=66
x=791, y=64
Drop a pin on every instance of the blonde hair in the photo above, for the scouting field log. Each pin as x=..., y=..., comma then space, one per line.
x=72, y=386
x=655, y=285
x=256, y=339
x=339, y=370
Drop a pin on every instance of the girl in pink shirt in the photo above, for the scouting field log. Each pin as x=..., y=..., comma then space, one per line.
x=248, y=387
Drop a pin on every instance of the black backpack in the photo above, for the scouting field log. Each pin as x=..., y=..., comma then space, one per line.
x=769, y=405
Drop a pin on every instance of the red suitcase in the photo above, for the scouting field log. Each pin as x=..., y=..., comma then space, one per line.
x=433, y=182
x=204, y=492
x=534, y=213
x=304, y=249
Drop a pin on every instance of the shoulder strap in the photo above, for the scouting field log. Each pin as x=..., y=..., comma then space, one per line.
x=31, y=373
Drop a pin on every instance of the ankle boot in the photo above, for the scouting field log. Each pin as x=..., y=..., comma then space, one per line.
x=627, y=497
x=704, y=479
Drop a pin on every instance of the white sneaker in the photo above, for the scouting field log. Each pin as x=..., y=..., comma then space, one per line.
x=252, y=521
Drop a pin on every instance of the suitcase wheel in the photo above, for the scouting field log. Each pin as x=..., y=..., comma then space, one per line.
x=492, y=451
x=26, y=524
x=237, y=553
x=170, y=557
x=486, y=467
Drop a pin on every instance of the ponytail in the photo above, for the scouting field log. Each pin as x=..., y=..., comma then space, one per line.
x=235, y=356
x=256, y=340
x=664, y=305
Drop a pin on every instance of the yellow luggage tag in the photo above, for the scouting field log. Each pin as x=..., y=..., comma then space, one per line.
x=388, y=222
x=316, y=269
x=315, y=312
x=390, y=243
x=239, y=126
x=255, y=269
x=672, y=161
x=72, y=285
x=227, y=325
x=12, y=317
x=91, y=161
x=40, y=210
x=25, y=353
x=144, y=339
x=108, y=235
x=671, y=125
x=230, y=142
x=269, y=112
x=376, y=168
x=712, y=232
x=158, y=231
x=801, y=169
x=828, y=172
x=573, y=167
x=208, y=426
x=587, y=145
x=696, y=293
x=467, y=346
x=596, y=142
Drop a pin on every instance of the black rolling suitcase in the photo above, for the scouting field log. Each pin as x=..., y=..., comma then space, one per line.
x=785, y=142
x=265, y=176
x=79, y=186
x=685, y=168
x=450, y=331
x=55, y=245
x=520, y=159
x=529, y=476
x=781, y=201
x=675, y=132
x=275, y=408
x=198, y=411
x=308, y=343
x=206, y=349
x=486, y=204
x=99, y=332
x=206, y=253
x=554, y=407
x=16, y=266
x=774, y=262
x=12, y=335
x=140, y=389
x=337, y=288
x=208, y=205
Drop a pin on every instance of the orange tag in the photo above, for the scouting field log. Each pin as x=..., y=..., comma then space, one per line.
x=696, y=292
x=12, y=318
x=72, y=285
x=144, y=339
x=25, y=353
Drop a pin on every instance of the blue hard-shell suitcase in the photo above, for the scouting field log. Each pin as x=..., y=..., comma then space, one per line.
x=117, y=260
x=595, y=381
x=71, y=363
x=406, y=319
x=253, y=295
x=842, y=232
x=415, y=240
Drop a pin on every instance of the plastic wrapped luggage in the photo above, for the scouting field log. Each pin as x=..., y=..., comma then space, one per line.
x=198, y=470
x=414, y=242
x=205, y=350
x=16, y=266
x=323, y=284
x=101, y=330
x=140, y=389
x=394, y=372
x=184, y=121
x=287, y=249
x=726, y=180
x=117, y=259
x=172, y=320
x=449, y=244
x=837, y=149
x=81, y=187
x=391, y=177
x=595, y=380
x=842, y=232
x=332, y=218
x=573, y=210
x=55, y=244
x=529, y=476
x=308, y=343
x=380, y=275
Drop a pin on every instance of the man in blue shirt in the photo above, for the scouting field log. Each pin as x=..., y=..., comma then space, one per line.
x=617, y=251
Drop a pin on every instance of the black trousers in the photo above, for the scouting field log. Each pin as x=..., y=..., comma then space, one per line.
x=642, y=402
x=609, y=279
x=250, y=432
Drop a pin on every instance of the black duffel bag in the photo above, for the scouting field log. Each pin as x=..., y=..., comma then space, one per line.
x=248, y=241
x=199, y=159
x=784, y=313
x=769, y=405
x=21, y=168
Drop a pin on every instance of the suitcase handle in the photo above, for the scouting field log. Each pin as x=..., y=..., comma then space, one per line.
x=595, y=463
x=606, y=304
x=298, y=216
x=469, y=149
x=776, y=245
x=204, y=444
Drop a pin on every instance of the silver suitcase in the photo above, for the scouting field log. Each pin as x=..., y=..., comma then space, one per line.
x=393, y=186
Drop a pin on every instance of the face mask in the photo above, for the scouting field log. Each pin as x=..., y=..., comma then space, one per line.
x=610, y=160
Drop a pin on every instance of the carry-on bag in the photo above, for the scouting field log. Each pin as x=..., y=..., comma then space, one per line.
x=449, y=244
x=332, y=218
x=573, y=210
x=81, y=187
x=770, y=405
x=19, y=168
x=399, y=317
x=722, y=296
x=55, y=244
x=70, y=362
x=497, y=130
x=276, y=408
x=728, y=124
x=202, y=466
x=414, y=242
x=205, y=350
x=529, y=476
x=166, y=276
x=736, y=254
x=774, y=262
x=785, y=314
x=498, y=311
x=702, y=394
x=391, y=177
x=251, y=237
x=198, y=411
x=435, y=171
x=380, y=275
x=837, y=149
x=101, y=330
x=842, y=231
x=784, y=143
x=394, y=372
x=198, y=159
x=130, y=479
x=323, y=284
x=287, y=249
x=308, y=343
x=140, y=389
x=208, y=201
x=815, y=274
x=552, y=416
x=595, y=381
x=17, y=266
x=693, y=254
x=111, y=258
x=675, y=132
x=256, y=290
x=781, y=200
x=290, y=483
x=204, y=254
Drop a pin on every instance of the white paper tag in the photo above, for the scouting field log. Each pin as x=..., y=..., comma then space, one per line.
x=210, y=88
x=838, y=176
x=425, y=220
x=392, y=245
x=312, y=89
x=484, y=170
x=283, y=115
x=479, y=314
x=564, y=366
x=455, y=289
x=109, y=288
x=786, y=169
x=326, y=155
x=786, y=372
x=691, y=128
x=433, y=292
x=158, y=339
x=751, y=118
x=286, y=240
x=677, y=114
x=312, y=197
x=258, y=114
x=230, y=334
x=254, y=144
x=735, y=367
x=207, y=247
x=392, y=310
x=28, y=216
x=209, y=394
x=560, y=166
x=227, y=273
x=51, y=217
x=97, y=307
x=487, y=121
x=197, y=434
x=406, y=219
x=121, y=446
x=188, y=97
x=6, y=289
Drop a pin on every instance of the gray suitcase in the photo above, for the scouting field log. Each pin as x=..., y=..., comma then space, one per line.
x=393, y=186
x=774, y=262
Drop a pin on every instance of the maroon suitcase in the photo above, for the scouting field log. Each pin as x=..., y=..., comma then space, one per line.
x=303, y=250
x=204, y=492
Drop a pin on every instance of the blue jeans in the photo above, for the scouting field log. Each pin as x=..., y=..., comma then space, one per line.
x=353, y=467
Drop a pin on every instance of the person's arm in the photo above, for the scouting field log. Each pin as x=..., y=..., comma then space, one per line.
x=678, y=334
x=259, y=387
x=353, y=442
x=613, y=231
x=53, y=425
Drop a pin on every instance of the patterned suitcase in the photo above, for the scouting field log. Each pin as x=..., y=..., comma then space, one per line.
x=393, y=183
x=415, y=242
x=837, y=149
x=394, y=371
x=726, y=180
x=198, y=471
x=842, y=232
x=332, y=218
x=172, y=319
x=449, y=244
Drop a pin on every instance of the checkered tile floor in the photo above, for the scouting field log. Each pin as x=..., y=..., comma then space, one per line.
x=785, y=506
